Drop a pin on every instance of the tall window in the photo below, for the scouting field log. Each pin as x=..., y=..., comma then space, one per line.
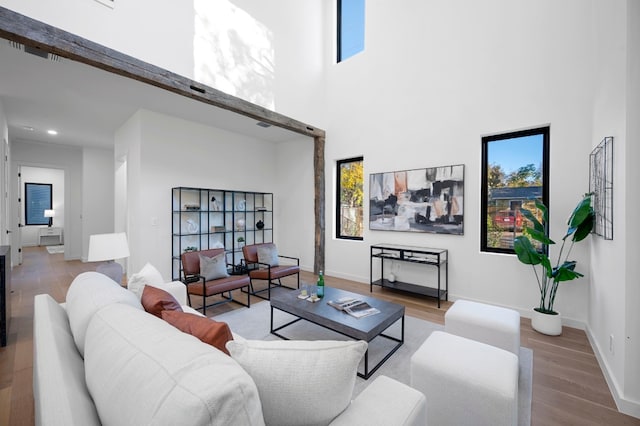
x=350, y=28
x=37, y=199
x=349, y=213
x=515, y=173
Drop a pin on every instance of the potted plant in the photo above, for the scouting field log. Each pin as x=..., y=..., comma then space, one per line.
x=545, y=319
x=240, y=241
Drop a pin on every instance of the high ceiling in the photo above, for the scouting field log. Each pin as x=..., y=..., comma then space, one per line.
x=87, y=105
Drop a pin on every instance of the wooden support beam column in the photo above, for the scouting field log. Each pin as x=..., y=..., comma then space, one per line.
x=319, y=210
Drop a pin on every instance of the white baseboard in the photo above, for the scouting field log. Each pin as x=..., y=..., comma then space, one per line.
x=626, y=406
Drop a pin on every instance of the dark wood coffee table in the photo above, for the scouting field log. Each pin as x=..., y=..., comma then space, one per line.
x=320, y=313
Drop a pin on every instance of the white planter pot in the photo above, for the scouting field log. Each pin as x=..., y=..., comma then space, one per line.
x=546, y=323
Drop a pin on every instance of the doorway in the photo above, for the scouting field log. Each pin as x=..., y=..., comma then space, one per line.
x=51, y=232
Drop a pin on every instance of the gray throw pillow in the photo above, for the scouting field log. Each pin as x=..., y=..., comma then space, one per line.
x=212, y=268
x=268, y=254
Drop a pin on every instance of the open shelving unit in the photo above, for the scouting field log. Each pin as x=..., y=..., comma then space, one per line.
x=435, y=257
x=209, y=218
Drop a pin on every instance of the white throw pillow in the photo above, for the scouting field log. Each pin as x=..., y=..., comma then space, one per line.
x=140, y=370
x=212, y=268
x=89, y=292
x=300, y=382
x=147, y=275
x=268, y=254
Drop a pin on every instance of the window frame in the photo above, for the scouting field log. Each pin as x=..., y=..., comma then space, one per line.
x=339, y=34
x=27, y=216
x=339, y=164
x=544, y=131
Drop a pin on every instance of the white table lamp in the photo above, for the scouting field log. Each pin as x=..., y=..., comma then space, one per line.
x=108, y=247
x=50, y=213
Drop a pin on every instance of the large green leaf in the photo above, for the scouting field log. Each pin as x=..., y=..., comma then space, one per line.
x=540, y=236
x=534, y=220
x=585, y=227
x=581, y=220
x=566, y=272
x=525, y=251
x=544, y=210
x=581, y=213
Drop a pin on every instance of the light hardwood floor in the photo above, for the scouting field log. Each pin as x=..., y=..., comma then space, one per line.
x=568, y=385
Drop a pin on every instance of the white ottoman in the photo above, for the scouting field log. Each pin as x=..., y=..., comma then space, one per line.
x=466, y=382
x=489, y=324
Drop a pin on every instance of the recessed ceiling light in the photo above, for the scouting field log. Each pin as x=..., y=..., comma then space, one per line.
x=52, y=132
x=28, y=128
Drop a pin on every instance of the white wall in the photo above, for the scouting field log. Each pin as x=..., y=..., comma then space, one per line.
x=55, y=177
x=433, y=79
x=97, y=194
x=69, y=159
x=606, y=313
x=632, y=177
x=175, y=152
x=613, y=262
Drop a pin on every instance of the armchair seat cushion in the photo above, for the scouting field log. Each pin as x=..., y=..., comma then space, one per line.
x=276, y=272
x=220, y=285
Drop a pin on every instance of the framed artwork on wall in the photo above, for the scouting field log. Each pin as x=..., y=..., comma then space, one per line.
x=419, y=200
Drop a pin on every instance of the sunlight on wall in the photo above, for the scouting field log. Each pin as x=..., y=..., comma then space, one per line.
x=233, y=52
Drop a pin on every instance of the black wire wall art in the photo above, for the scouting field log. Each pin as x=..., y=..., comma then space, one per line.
x=601, y=187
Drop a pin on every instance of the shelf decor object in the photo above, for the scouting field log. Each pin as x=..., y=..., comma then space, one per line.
x=204, y=219
x=419, y=200
x=601, y=187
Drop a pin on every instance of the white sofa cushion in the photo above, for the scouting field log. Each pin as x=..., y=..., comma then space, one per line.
x=141, y=370
x=59, y=389
x=386, y=402
x=88, y=293
x=147, y=275
x=300, y=382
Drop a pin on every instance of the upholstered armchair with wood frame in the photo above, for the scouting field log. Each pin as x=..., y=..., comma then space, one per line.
x=263, y=264
x=205, y=274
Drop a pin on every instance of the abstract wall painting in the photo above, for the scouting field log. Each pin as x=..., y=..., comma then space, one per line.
x=419, y=200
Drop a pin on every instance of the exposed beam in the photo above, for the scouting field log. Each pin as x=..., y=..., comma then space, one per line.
x=319, y=205
x=30, y=32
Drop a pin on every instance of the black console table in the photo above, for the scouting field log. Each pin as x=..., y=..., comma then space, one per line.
x=438, y=258
x=5, y=293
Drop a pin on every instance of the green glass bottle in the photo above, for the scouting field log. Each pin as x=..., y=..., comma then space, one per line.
x=320, y=285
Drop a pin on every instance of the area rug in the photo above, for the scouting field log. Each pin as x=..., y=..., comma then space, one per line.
x=55, y=249
x=254, y=323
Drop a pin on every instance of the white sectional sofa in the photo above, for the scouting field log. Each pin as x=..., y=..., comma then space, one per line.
x=100, y=358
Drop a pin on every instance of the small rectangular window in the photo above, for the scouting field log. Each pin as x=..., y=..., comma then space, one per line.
x=350, y=28
x=349, y=211
x=515, y=173
x=37, y=199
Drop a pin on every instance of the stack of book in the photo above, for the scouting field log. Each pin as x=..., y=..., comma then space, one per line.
x=354, y=307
